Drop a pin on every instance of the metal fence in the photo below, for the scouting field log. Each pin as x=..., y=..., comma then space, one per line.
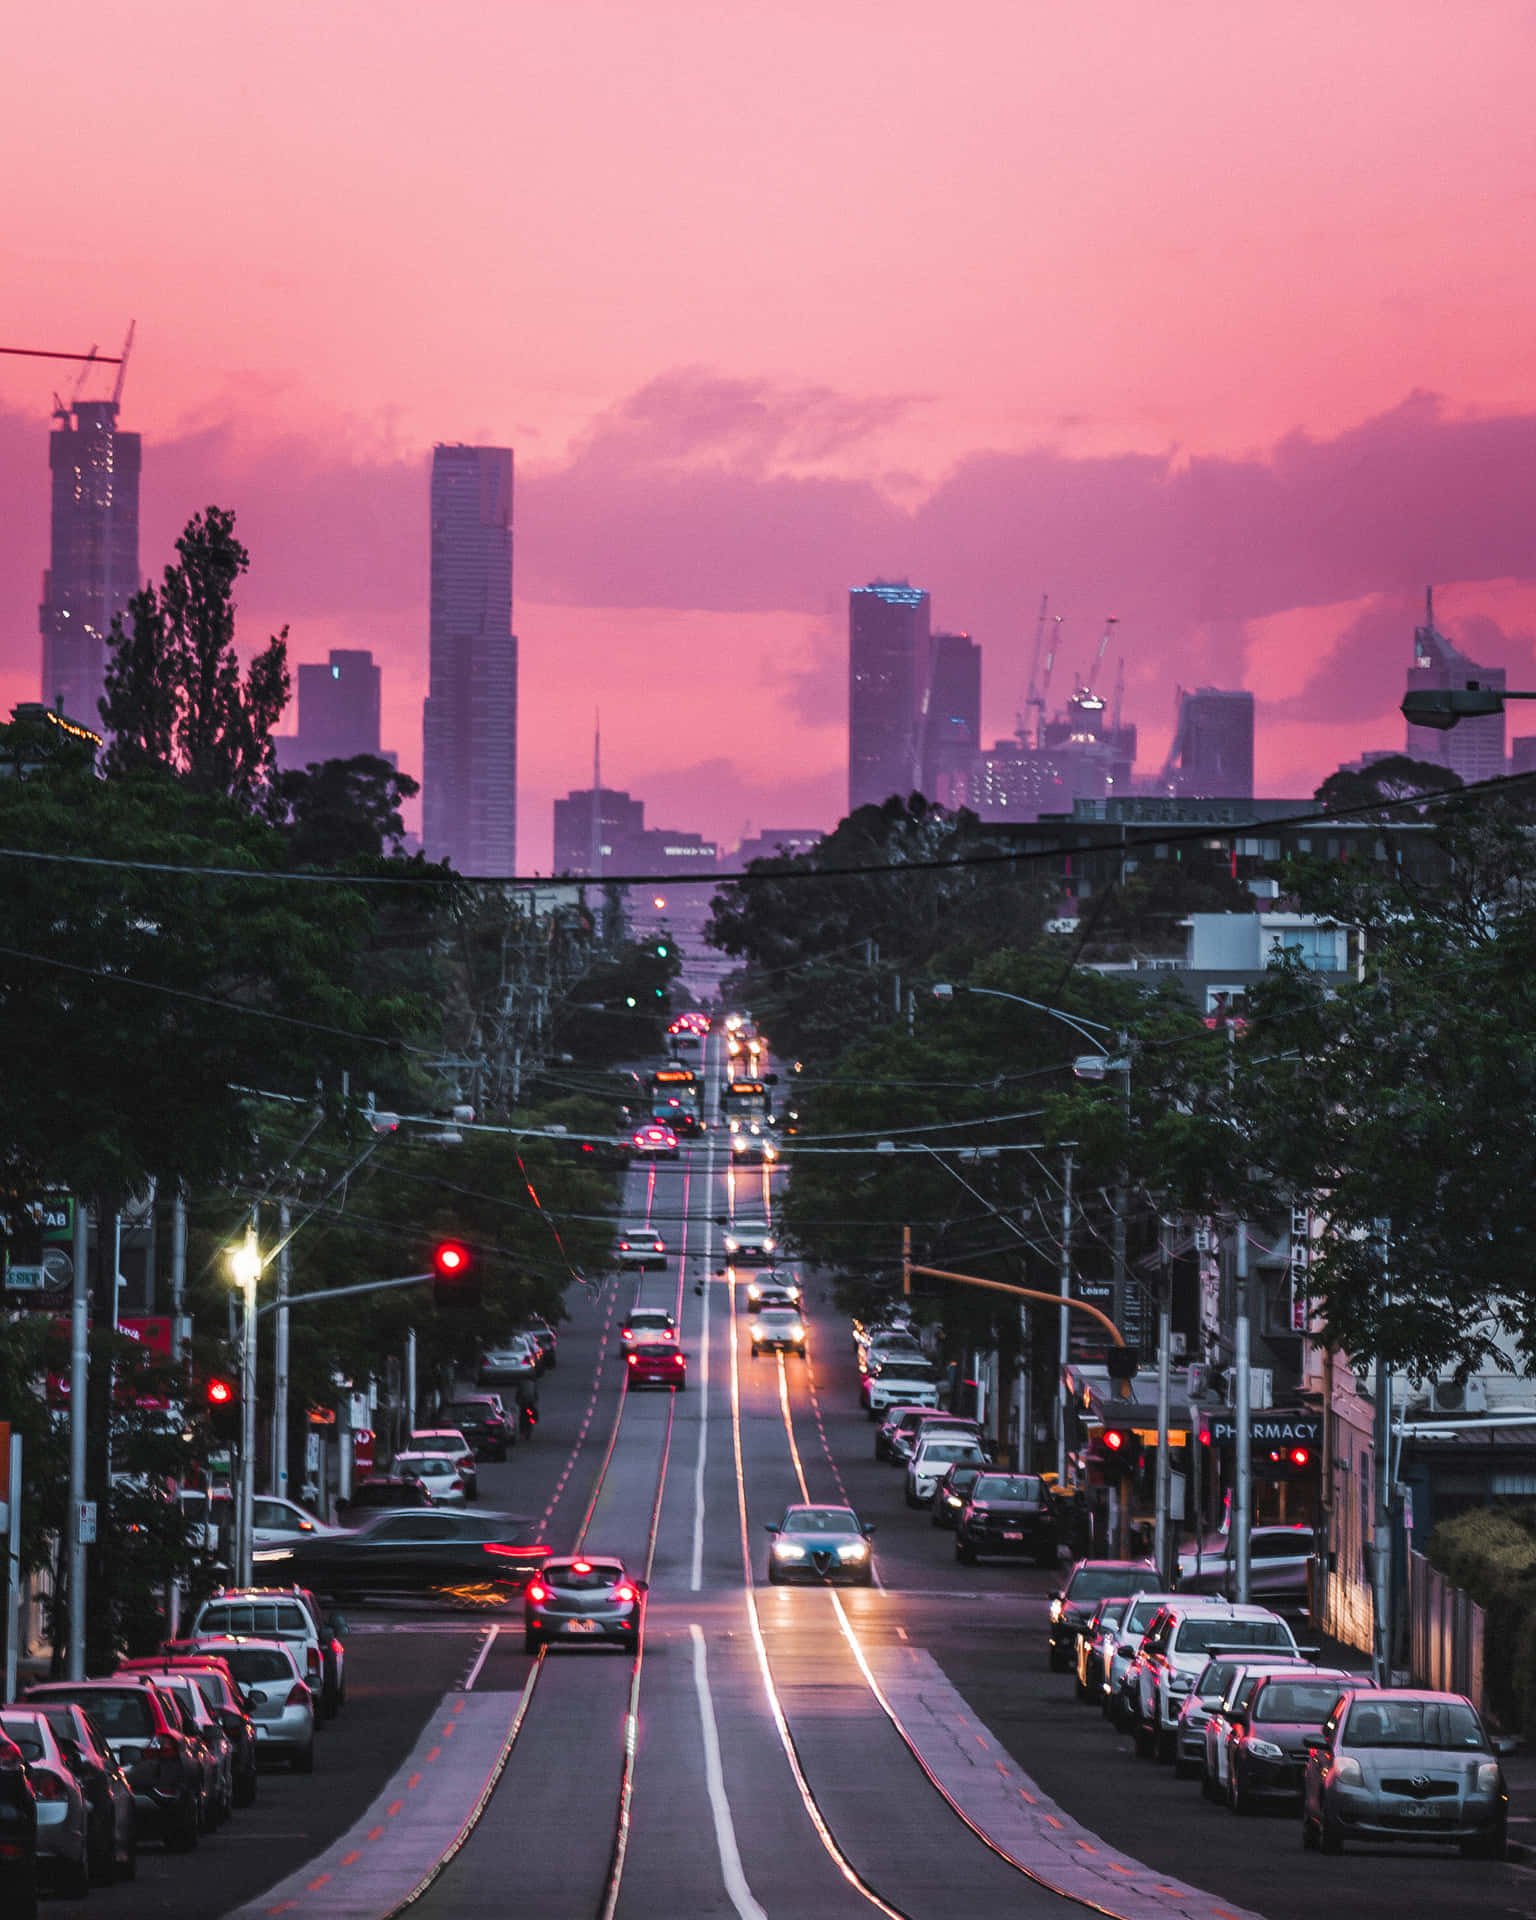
x=1445, y=1633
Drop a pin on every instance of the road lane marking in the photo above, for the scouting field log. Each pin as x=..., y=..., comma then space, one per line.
x=696, y=1567
x=474, y=1672
x=714, y=1777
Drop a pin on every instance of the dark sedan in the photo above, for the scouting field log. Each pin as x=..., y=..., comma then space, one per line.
x=583, y=1602
x=1007, y=1515
x=470, y=1555
x=144, y=1730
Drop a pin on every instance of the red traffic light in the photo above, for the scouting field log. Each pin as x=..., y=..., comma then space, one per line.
x=1300, y=1457
x=1114, y=1440
x=450, y=1259
x=455, y=1284
x=220, y=1393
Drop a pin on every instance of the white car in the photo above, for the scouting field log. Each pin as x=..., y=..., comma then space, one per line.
x=749, y=1243
x=639, y=1248
x=899, y=1379
x=266, y=1613
x=278, y=1698
x=278, y=1522
x=1173, y=1655
x=933, y=1459
x=437, y=1472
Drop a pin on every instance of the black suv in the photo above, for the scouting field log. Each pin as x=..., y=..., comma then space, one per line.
x=487, y=1431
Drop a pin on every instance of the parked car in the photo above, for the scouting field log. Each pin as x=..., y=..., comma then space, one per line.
x=932, y=1458
x=949, y=1496
x=581, y=1600
x=111, y=1822
x=436, y=1552
x=1008, y=1516
x=281, y=1703
x=900, y=1419
x=387, y=1491
x=908, y=1435
x=1400, y=1764
x=1270, y=1724
x=1175, y=1648
x=824, y=1545
x=275, y=1521
x=546, y=1340
x=1096, y=1643
x=1121, y=1654
x=223, y=1695
x=440, y=1475
x=18, y=1834
x=454, y=1443
x=887, y=1343
x=144, y=1731
x=899, y=1377
x=1086, y=1585
x=198, y=1719
x=483, y=1424
x=63, y=1815
x=1191, y=1751
x=268, y=1613
x=517, y=1358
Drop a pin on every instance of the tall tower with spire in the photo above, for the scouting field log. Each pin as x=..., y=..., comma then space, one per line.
x=1475, y=748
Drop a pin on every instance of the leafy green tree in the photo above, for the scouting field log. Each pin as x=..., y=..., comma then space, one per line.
x=341, y=810
x=1385, y=783
x=175, y=698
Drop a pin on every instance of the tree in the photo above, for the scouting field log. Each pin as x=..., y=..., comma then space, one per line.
x=1396, y=778
x=175, y=699
x=340, y=810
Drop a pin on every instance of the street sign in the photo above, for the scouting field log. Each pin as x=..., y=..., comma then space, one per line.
x=26, y=1279
x=311, y=1452
x=87, y=1522
x=1266, y=1429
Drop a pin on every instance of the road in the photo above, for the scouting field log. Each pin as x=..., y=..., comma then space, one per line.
x=759, y=1758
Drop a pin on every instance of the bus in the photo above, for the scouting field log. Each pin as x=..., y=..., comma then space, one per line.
x=745, y=1100
x=676, y=1099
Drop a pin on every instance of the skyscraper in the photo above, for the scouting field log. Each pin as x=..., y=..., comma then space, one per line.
x=339, y=703
x=93, y=563
x=1214, y=745
x=887, y=681
x=469, y=724
x=1474, y=749
x=951, y=722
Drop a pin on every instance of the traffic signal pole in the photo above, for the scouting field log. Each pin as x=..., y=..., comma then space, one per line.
x=245, y=1535
x=79, y=1369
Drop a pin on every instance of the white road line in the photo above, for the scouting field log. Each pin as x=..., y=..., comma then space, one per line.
x=696, y=1566
x=714, y=1775
x=474, y=1672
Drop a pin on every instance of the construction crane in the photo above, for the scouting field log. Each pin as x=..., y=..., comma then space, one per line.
x=1039, y=700
x=1176, y=746
x=88, y=360
x=1091, y=678
x=1119, y=694
x=1021, y=720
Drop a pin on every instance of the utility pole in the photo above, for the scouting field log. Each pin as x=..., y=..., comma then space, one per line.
x=410, y=1379
x=1242, y=1419
x=280, y=1357
x=1062, y=1347
x=1381, y=1518
x=181, y=1326
x=79, y=1377
x=249, y=1269
x=1162, y=1524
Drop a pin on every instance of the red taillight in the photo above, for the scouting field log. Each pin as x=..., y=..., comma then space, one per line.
x=632, y=1358
x=626, y=1592
x=668, y=1334
x=298, y=1695
x=166, y=1744
x=538, y=1593
x=677, y=1360
x=48, y=1786
x=495, y=1546
x=312, y=1659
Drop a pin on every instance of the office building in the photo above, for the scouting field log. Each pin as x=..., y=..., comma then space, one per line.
x=1522, y=753
x=775, y=843
x=469, y=724
x=93, y=560
x=888, y=666
x=611, y=837
x=1474, y=749
x=339, y=702
x=951, y=719
x=1212, y=754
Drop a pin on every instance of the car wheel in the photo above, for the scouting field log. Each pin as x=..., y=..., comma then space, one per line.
x=773, y=1577
x=1146, y=1740
x=966, y=1555
x=304, y=1762
x=181, y=1834
x=330, y=1702
x=1331, y=1838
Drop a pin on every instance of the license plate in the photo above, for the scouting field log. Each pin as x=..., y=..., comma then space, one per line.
x=580, y=1626
x=1415, y=1810
x=1012, y=1536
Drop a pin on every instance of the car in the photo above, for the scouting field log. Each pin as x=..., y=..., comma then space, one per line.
x=583, y=1600
x=199, y=1721
x=774, y=1290
x=749, y=1242
x=1203, y=1704
x=1174, y=1649
x=145, y=1732
x=1096, y=1643
x=517, y=1358
x=437, y=1472
x=63, y=1815
x=386, y=1491
x=949, y=1496
x=111, y=1822
x=439, y=1552
x=1086, y=1585
x=899, y=1378
x=1241, y=1677
x=275, y=1520
x=932, y=1458
x=753, y=1146
x=824, y=1545
x=267, y=1613
x=1120, y=1654
x=1401, y=1764
x=908, y=1436
x=546, y=1340
x=18, y=1834
x=777, y=1330
x=898, y=1420
x=654, y=1363
x=655, y=1141
x=639, y=1248
x=453, y=1442
x=881, y=1345
x=1008, y=1516
x=1278, y=1558
x=645, y=1326
x=484, y=1424
x=223, y=1695
x=280, y=1701
x=1269, y=1725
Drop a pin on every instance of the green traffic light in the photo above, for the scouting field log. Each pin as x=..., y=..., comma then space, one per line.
x=629, y=1000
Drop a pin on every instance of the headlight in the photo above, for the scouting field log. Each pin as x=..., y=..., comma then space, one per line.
x=856, y=1550
x=769, y=1245
x=754, y=1292
x=1265, y=1750
x=1346, y=1773
x=1489, y=1779
x=797, y=1332
x=787, y=1550
x=1055, y=1611
x=730, y=1244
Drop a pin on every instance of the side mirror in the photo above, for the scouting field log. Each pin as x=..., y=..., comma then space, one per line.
x=336, y=1622
x=869, y=1533
x=770, y=1529
x=233, y=1723
x=641, y=1586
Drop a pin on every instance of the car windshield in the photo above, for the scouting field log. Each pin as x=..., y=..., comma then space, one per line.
x=252, y=1665
x=821, y=1520
x=949, y=1450
x=1095, y=1583
x=26, y=1736
x=963, y=1477
x=472, y=1416
x=584, y=1577
x=1300, y=1703
x=1200, y=1636
x=121, y=1715
x=264, y=1618
x=1008, y=1486
x=1444, y=1726
x=209, y=1685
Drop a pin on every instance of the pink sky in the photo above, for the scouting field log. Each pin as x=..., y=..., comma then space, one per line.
x=1214, y=321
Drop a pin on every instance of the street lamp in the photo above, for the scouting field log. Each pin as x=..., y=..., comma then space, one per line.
x=1443, y=707
x=245, y=1264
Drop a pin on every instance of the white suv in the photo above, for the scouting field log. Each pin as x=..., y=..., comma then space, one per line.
x=899, y=1379
x=933, y=1458
x=1174, y=1652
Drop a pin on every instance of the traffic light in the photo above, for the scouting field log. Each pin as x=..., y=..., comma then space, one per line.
x=1291, y=1462
x=1118, y=1451
x=455, y=1284
x=222, y=1398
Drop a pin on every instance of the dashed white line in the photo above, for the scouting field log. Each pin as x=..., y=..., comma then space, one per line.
x=474, y=1672
x=736, y=1887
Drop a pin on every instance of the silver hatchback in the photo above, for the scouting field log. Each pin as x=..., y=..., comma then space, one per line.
x=1404, y=1765
x=270, y=1674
